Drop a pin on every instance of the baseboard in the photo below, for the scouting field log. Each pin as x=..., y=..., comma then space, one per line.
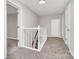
x=30, y=48
x=56, y=37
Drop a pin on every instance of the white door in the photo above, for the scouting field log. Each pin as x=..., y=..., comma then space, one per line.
x=55, y=28
x=67, y=26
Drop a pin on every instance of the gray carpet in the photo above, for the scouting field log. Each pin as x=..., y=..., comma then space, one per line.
x=54, y=48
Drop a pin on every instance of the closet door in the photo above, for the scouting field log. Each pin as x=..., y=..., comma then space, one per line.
x=68, y=25
x=55, y=28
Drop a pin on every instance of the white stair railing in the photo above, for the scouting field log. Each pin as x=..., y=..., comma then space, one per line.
x=33, y=38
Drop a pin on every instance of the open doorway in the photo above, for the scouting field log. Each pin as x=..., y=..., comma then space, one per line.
x=11, y=28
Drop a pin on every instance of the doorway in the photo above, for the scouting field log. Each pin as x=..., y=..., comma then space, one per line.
x=12, y=30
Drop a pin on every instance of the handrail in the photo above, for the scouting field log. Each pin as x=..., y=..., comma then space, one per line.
x=35, y=40
x=36, y=34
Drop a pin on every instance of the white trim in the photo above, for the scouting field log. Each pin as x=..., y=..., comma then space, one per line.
x=33, y=49
x=55, y=36
x=12, y=4
x=5, y=30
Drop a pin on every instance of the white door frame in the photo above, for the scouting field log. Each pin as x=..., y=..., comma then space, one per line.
x=11, y=4
x=18, y=14
x=18, y=11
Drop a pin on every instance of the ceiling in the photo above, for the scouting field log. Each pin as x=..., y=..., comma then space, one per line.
x=52, y=7
x=11, y=10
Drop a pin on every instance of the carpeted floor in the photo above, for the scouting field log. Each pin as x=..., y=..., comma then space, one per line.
x=54, y=48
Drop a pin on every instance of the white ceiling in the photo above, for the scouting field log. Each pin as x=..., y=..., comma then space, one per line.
x=11, y=10
x=51, y=7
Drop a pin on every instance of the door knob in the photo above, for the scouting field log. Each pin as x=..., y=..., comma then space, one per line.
x=68, y=29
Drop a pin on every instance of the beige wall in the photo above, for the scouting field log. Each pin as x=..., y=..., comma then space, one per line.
x=12, y=25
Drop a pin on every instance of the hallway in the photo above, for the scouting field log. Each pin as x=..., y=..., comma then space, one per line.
x=54, y=48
